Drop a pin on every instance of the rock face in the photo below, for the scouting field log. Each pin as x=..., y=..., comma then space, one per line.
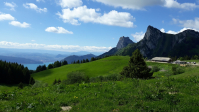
x=123, y=42
x=158, y=44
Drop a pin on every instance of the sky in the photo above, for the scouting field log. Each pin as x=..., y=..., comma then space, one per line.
x=89, y=25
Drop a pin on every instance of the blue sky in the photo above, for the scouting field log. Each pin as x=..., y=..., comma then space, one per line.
x=89, y=25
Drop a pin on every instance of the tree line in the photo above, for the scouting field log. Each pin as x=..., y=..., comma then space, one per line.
x=61, y=63
x=194, y=57
x=14, y=73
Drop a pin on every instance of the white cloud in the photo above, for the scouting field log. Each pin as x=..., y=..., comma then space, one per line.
x=58, y=30
x=141, y=4
x=138, y=36
x=6, y=17
x=194, y=24
x=34, y=7
x=174, y=32
x=162, y=30
x=67, y=48
x=11, y=5
x=86, y=15
x=18, y=24
x=33, y=40
x=175, y=4
x=70, y=3
x=40, y=0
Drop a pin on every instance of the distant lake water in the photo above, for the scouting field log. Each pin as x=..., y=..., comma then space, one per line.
x=34, y=66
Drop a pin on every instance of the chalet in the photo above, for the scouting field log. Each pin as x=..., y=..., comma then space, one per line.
x=161, y=59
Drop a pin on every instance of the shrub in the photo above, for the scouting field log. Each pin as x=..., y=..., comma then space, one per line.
x=76, y=77
x=177, y=70
x=155, y=68
x=21, y=85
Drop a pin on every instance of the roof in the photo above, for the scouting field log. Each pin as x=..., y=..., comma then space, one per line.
x=161, y=59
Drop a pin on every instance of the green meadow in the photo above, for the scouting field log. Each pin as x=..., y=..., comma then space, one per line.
x=102, y=67
x=163, y=93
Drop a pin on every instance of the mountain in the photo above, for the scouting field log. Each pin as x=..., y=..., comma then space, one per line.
x=71, y=59
x=19, y=60
x=123, y=42
x=155, y=43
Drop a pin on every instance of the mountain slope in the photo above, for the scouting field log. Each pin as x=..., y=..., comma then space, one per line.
x=71, y=59
x=105, y=66
x=122, y=43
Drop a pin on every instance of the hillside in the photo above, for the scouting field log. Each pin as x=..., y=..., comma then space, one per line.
x=105, y=66
x=72, y=58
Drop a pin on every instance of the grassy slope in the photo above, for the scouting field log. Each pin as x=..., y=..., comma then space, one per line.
x=106, y=66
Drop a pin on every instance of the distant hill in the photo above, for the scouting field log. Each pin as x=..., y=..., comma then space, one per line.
x=155, y=43
x=71, y=59
x=19, y=60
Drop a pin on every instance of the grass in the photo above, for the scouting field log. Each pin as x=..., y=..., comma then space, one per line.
x=165, y=93
x=106, y=66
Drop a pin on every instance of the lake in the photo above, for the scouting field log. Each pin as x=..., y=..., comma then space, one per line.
x=34, y=66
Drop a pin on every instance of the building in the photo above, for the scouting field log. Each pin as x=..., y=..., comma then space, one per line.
x=161, y=59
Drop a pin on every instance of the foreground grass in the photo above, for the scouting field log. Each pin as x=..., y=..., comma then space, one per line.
x=161, y=94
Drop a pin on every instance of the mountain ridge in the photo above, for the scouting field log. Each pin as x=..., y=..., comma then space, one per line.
x=156, y=43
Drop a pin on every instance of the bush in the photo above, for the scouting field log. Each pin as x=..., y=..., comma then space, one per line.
x=76, y=77
x=155, y=68
x=177, y=70
x=21, y=85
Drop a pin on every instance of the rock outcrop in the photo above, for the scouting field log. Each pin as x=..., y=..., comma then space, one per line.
x=123, y=42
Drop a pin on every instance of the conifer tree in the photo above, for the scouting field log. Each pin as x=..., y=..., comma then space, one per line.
x=137, y=67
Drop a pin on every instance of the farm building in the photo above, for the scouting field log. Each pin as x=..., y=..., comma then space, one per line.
x=161, y=59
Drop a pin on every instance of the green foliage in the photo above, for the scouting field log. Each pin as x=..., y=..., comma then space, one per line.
x=155, y=68
x=76, y=77
x=55, y=82
x=21, y=85
x=50, y=66
x=137, y=67
x=177, y=70
x=56, y=64
x=14, y=73
x=64, y=63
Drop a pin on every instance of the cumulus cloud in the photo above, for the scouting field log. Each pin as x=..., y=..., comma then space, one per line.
x=86, y=15
x=162, y=30
x=6, y=17
x=67, y=48
x=70, y=3
x=58, y=30
x=138, y=36
x=11, y=5
x=40, y=0
x=188, y=23
x=175, y=4
x=34, y=7
x=141, y=4
x=18, y=24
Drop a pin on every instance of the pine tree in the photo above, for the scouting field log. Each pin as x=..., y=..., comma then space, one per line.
x=50, y=66
x=137, y=67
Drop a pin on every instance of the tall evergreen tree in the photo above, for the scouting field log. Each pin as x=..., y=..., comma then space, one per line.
x=50, y=66
x=137, y=67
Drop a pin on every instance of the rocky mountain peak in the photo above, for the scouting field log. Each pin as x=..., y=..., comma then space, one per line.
x=123, y=42
x=152, y=33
